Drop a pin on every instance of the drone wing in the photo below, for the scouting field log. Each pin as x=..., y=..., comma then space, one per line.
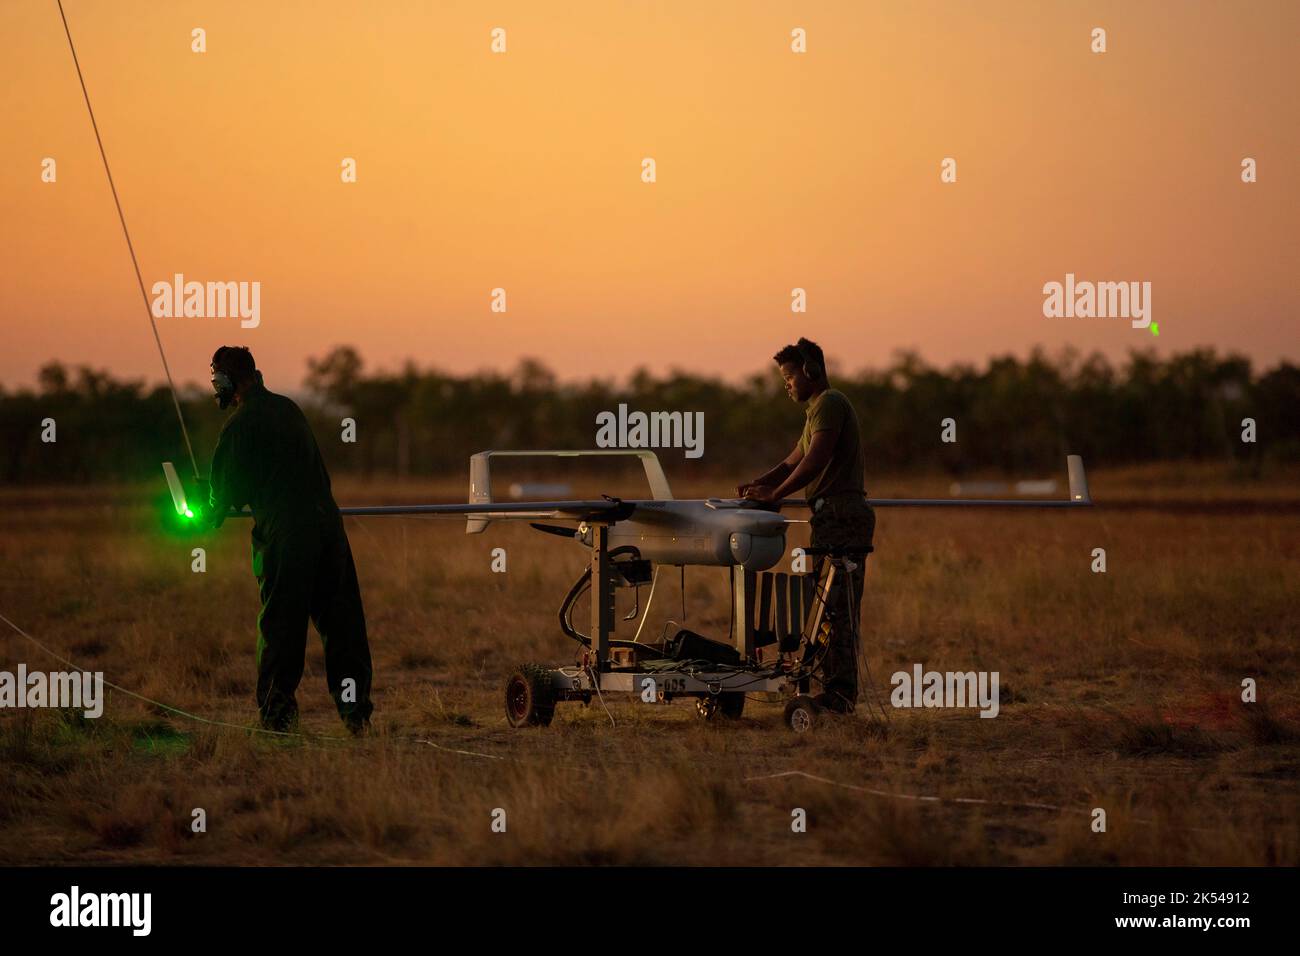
x=610, y=510
x=606, y=509
x=1079, y=496
x=603, y=509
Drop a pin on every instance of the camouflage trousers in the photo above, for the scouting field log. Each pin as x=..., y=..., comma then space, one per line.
x=844, y=520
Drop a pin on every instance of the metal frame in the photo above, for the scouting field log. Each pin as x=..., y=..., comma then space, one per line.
x=600, y=675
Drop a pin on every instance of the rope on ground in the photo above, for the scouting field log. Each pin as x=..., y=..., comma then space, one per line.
x=923, y=798
x=179, y=712
x=149, y=700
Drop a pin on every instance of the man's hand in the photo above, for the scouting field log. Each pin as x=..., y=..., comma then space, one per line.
x=773, y=477
x=763, y=494
x=205, y=515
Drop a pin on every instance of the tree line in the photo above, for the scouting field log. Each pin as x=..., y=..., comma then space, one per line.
x=1017, y=416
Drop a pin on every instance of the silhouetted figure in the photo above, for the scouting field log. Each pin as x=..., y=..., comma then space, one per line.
x=267, y=458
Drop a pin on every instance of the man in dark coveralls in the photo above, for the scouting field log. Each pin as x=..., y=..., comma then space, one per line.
x=828, y=462
x=267, y=458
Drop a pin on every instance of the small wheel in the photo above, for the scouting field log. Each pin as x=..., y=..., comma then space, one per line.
x=530, y=698
x=732, y=704
x=801, y=714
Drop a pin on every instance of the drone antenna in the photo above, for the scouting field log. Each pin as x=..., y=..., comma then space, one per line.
x=129, y=245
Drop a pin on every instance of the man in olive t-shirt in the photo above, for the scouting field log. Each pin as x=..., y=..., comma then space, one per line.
x=830, y=410
x=828, y=460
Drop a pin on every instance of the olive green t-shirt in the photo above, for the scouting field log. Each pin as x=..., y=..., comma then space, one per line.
x=846, y=471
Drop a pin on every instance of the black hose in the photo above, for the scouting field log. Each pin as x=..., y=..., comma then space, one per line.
x=582, y=584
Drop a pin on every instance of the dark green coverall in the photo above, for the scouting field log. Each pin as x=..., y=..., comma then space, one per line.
x=267, y=458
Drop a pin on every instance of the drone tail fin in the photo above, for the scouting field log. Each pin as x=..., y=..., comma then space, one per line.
x=480, y=475
x=1078, y=480
x=480, y=490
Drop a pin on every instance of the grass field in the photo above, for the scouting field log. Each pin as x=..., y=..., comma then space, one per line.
x=1119, y=690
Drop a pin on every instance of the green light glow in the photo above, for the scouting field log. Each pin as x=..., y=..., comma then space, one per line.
x=182, y=518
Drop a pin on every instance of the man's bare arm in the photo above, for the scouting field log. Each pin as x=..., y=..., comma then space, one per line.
x=819, y=454
x=774, y=476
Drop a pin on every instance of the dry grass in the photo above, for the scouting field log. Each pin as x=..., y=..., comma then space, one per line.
x=1119, y=690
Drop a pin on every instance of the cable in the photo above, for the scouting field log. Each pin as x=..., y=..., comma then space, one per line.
x=582, y=585
x=595, y=682
x=470, y=753
x=859, y=658
x=129, y=245
x=969, y=801
x=566, y=607
x=649, y=601
x=156, y=703
x=226, y=724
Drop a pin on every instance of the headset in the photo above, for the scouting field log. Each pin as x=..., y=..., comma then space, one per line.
x=809, y=360
x=222, y=384
x=224, y=389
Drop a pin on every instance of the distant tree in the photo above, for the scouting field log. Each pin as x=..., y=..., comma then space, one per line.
x=1018, y=416
x=52, y=378
x=336, y=376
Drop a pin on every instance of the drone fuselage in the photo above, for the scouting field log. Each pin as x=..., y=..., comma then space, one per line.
x=711, y=532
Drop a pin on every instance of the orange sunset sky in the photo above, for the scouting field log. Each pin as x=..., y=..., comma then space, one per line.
x=522, y=170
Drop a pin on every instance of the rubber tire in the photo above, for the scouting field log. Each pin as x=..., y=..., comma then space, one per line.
x=530, y=698
x=801, y=714
x=731, y=704
x=728, y=705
